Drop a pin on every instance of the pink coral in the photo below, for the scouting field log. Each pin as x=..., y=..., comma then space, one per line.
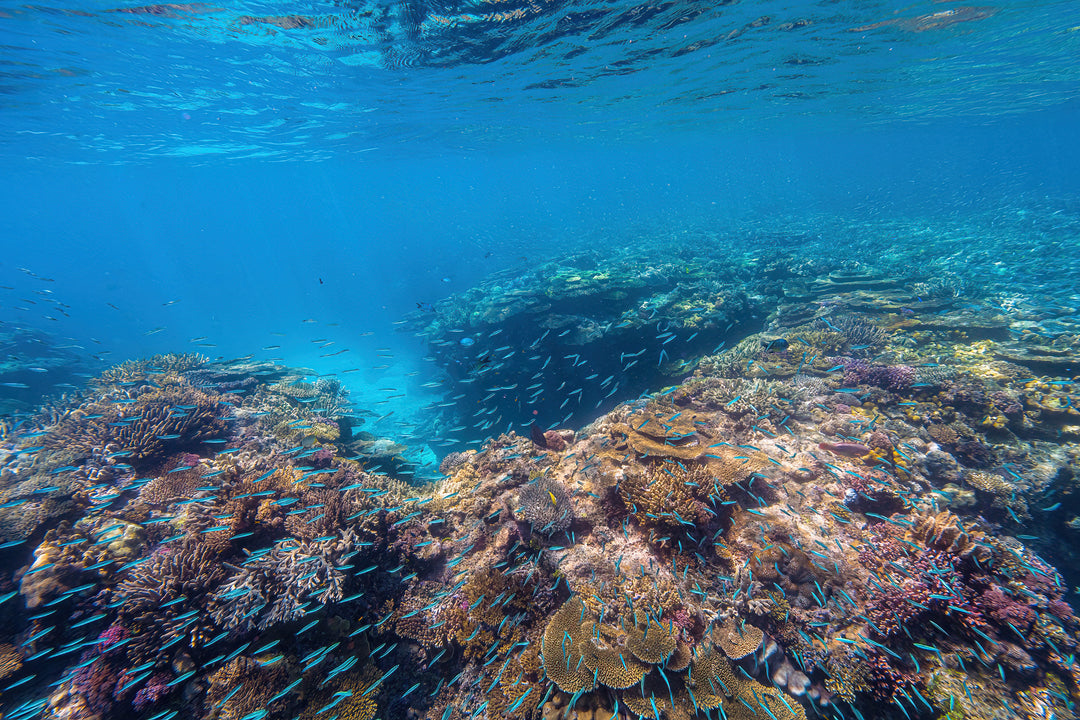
x=554, y=440
x=111, y=635
x=996, y=604
x=895, y=608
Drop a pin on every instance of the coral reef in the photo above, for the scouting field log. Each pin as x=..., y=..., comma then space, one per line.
x=852, y=511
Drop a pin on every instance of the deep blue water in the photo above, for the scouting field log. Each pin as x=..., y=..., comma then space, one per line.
x=231, y=177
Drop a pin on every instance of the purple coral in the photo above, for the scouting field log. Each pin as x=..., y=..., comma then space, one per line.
x=1005, y=610
x=896, y=377
x=156, y=688
x=891, y=377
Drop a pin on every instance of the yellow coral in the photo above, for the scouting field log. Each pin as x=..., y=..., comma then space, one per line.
x=242, y=687
x=359, y=703
x=772, y=699
x=680, y=659
x=988, y=482
x=711, y=678
x=10, y=660
x=605, y=654
x=944, y=531
x=649, y=640
x=561, y=648
x=666, y=495
x=647, y=704
x=737, y=639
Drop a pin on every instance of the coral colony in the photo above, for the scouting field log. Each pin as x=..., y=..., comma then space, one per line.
x=846, y=510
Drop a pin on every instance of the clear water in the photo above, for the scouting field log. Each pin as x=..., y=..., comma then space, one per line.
x=263, y=178
x=299, y=181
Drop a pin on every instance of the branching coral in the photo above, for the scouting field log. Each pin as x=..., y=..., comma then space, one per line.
x=857, y=331
x=61, y=565
x=669, y=495
x=172, y=486
x=277, y=585
x=133, y=372
x=165, y=601
x=241, y=687
x=10, y=660
x=161, y=418
x=350, y=697
x=944, y=531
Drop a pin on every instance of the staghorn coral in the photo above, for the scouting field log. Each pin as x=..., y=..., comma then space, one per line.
x=10, y=660
x=275, y=586
x=325, y=512
x=133, y=372
x=159, y=419
x=242, y=686
x=165, y=599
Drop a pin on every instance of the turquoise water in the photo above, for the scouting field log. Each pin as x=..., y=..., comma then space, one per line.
x=350, y=191
x=227, y=178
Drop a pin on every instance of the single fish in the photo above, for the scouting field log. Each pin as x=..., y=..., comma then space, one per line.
x=848, y=449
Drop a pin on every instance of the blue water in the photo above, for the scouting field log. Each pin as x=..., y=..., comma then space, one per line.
x=267, y=178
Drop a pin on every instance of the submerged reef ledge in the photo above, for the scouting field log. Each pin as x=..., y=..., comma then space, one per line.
x=865, y=510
